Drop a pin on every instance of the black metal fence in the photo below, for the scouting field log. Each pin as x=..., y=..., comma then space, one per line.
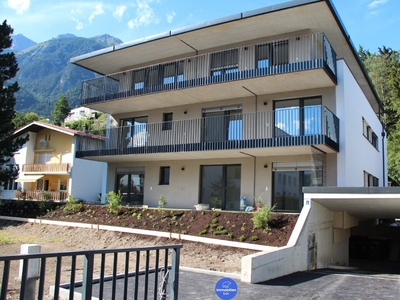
x=128, y=273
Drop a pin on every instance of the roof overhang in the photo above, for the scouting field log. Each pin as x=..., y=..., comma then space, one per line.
x=362, y=203
x=281, y=20
x=28, y=178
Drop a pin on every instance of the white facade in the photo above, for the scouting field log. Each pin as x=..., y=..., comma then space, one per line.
x=79, y=113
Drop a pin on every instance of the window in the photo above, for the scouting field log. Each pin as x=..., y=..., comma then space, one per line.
x=164, y=175
x=296, y=117
x=275, y=53
x=167, y=121
x=138, y=79
x=370, y=180
x=173, y=72
x=63, y=185
x=224, y=62
x=369, y=134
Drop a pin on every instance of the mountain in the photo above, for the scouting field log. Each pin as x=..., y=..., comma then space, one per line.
x=45, y=72
x=20, y=42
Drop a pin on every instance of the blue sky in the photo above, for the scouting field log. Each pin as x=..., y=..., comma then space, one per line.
x=370, y=23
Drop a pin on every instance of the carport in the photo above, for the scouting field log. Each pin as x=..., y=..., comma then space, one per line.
x=338, y=227
x=363, y=216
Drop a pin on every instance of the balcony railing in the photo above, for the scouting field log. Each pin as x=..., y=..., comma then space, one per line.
x=148, y=273
x=41, y=195
x=292, y=54
x=283, y=127
x=47, y=168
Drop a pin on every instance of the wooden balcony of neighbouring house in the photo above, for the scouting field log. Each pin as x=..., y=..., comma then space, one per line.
x=51, y=168
x=40, y=195
x=268, y=67
x=292, y=130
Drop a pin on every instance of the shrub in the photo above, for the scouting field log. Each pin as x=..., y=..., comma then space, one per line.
x=73, y=204
x=242, y=238
x=162, y=202
x=262, y=217
x=204, y=231
x=254, y=238
x=114, y=200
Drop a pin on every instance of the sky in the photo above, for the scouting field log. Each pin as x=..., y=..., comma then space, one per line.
x=370, y=23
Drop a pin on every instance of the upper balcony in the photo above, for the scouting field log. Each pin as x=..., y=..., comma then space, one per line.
x=259, y=134
x=51, y=168
x=268, y=67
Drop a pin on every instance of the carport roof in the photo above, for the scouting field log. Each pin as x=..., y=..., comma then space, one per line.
x=362, y=203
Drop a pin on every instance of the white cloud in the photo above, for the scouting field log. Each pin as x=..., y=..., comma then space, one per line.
x=170, y=17
x=19, y=5
x=79, y=24
x=119, y=12
x=375, y=3
x=98, y=10
x=144, y=15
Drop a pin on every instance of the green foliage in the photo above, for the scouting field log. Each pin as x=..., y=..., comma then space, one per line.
x=8, y=70
x=204, y=231
x=262, y=217
x=242, y=238
x=61, y=110
x=114, y=200
x=46, y=195
x=383, y=68
x=254, y=238
x=162, y=202
x=73, y=204
x=216, y=202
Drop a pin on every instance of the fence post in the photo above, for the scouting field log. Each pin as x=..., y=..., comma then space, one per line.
x=87, y=276
x=32, y=270
x=174, y=277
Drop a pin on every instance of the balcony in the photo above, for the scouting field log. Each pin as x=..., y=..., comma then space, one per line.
x=314, y=125
x=40, y=195
x=46, y=168
x=229, y=69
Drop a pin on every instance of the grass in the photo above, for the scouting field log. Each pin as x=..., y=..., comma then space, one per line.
x=9, y=239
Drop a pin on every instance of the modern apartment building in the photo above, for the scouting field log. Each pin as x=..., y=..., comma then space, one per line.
x=261, y=102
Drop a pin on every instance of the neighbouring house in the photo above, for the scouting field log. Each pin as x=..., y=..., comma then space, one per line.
x=48, y=168
x=81, y=113
x=262, y=102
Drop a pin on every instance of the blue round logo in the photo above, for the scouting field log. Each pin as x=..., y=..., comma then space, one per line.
x=226, y=288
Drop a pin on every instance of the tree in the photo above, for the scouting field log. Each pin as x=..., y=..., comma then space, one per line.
x=61, y=110
x=22, y=119
x=384, y=70
x=8, y=69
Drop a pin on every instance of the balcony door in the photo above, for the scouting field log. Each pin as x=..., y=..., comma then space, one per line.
x=222, y=182
x=297, y=117
x=222, y=124
x=130, y=182
x=134, y=132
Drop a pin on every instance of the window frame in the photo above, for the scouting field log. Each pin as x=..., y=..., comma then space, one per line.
x=167, y=121
x=165, y=175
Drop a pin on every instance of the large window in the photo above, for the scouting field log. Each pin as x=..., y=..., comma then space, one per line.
x=370, y=180
x=173, y=72
x=369, y=134
x=224, y=62
x=222, y=123
x=288, y=181
x=296, y=117
x=130, y=182
x=167, y=121
x=272, y=54
x=221, y=183
x=134, y=132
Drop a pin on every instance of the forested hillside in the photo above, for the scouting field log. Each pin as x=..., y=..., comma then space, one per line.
x=45, y=72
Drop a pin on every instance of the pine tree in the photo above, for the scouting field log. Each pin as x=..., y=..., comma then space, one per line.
x=61, y=110
x=8, y=70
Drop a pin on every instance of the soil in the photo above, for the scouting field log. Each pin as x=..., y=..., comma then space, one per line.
x=210, y=224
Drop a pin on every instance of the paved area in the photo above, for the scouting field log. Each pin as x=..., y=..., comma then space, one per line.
x=321, y=284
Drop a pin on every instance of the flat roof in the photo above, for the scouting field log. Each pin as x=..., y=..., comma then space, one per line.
x=294, y=17
x=361, y=202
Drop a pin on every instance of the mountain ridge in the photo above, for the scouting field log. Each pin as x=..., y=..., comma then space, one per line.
x=45, y=72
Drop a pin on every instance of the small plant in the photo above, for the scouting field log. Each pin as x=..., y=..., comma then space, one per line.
x=216, y=214
x=259, y=201
x=242, y=238
x=262, y=217
x=220, y=227
x=230, y=235
x=162, y=202
x=214, y=221
x=204, y=231
x=174, y=218
x=184, y=232
x=73, y=204
x=46, y=195
x=114, y=200
x=216, y=202
x=139, y=217
x=254, y=238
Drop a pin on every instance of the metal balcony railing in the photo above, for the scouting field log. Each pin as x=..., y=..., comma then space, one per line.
x=261, y=129
x=292, y=54
x=146, y=273
x=47, y=168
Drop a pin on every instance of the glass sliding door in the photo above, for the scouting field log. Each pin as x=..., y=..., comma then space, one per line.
x=222, y=182
x=131, y=185
x=134, y=132
x=222, y=124
x=297, y=117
